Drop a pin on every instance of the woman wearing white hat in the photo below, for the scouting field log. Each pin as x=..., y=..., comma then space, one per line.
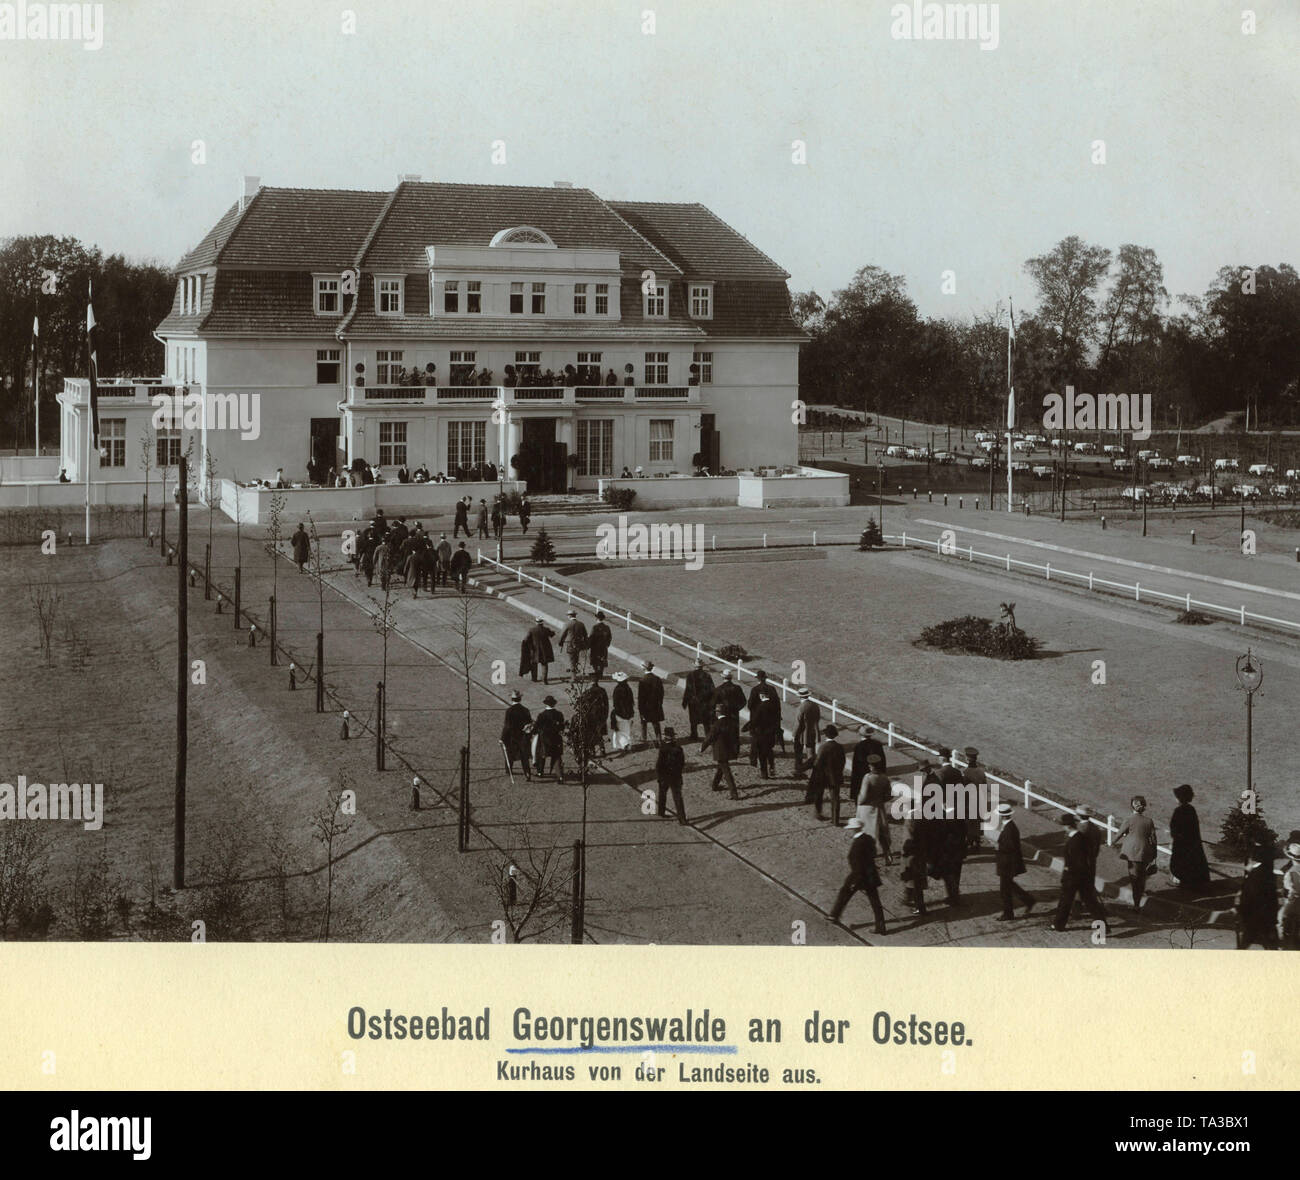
x=623, y=706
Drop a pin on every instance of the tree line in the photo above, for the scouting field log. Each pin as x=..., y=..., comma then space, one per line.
x=46, y=277
x=1103, y=322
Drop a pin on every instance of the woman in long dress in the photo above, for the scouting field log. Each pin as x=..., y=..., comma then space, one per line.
x=1187, y=860
x=622, y=712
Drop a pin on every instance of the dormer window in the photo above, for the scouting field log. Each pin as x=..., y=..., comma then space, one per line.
x=388, y=294
x=528, y=236
x=451, y=296
x=656, y=301
x=474, y=296
x=701, y=301
x=516, y=299
x=191, y=294
x=539, y=299
x=328, y=300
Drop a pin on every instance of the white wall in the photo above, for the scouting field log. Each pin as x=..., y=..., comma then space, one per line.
x=63, y=495
x=351, y=504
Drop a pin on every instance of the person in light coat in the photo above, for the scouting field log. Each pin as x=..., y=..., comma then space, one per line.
x=1137, y=847
x=807, y=722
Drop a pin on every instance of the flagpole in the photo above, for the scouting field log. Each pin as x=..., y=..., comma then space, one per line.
x=1011, y=395
x=36, y=379
x=88, y=465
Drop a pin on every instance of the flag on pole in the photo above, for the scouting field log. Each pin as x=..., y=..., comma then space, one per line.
x=1011, y=355
x=92, y=366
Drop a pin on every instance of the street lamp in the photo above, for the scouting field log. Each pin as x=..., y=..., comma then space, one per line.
x=1250, y=674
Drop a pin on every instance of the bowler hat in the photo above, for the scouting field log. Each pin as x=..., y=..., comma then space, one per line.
x=854, y=825
x=803, y=692
x=620, y=676
x=971, y=753
x=516, y=696
x=548, y=700
x=875, y=760
x=830, y=731
x=600, y=614
x=1004, y=809
x=1184, y=793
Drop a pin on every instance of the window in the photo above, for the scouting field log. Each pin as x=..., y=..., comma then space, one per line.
x=516, y=299
x=656, y=368
x=596, y=446
x=589, y=368
x=328, y=366
x=474, y=297
x=112, y=442
x=579, y=298
x=705, y=361
x=466, y=445
x=388, y=297
x=327, y=297
x=661, y=440
x=451, y=296
x=392, y=444
x=462, y=367
x=539, y=299
x=169, y=447
x=388, y=367
x=602, y=299
x=702, y=301
x=528, y=362
x=656, y=301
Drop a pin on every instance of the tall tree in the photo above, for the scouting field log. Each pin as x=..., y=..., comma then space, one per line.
x=1067, y=278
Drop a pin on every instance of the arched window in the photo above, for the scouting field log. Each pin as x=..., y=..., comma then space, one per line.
x=524, y=235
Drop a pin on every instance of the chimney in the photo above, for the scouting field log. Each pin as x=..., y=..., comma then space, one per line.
x=403, y=177
x=563, y=183
x=249, y=191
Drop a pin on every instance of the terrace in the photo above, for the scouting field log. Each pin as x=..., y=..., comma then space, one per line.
x=430, y=395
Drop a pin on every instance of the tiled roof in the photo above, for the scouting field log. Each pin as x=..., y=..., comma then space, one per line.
x=205, y=253
x=267, y=303
x=749, y=308
x=429, y=213
x=700, y=243
x=316, y=229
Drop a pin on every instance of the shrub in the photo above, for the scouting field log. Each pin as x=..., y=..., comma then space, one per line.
x=731, y=652
x=1193, y=618
x=871, y=537
x=981, y=637
x=619, y=499
x=543, y=551
x=1242, y=830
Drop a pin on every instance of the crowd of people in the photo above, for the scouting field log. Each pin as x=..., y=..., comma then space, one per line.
x=411, y=554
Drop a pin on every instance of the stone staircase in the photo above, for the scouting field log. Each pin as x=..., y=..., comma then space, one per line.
x=566, y=505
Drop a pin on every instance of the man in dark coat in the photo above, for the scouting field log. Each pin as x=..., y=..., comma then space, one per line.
x=301, y=543
x=1076, y=869
x=697, y=697
x=498, y=520
x=460, y=564
x=1010, y=865
x=539, y=635
x=462, y=519
x=592, y=713
x=1257, y=903
x=549, y=730
x=650, y=701
x=1087, y=887
x=525, y=513
x=724, y=739
x=913, y=871
x=827, y=772
x=598, y=645
x=515, y=733
x=668, y=770
x=482, y=519
x=729, y=695
x=862, y=754
x=573, y=642
x=764, y=724
x=444, y=559
x=948, y=852
x=863, y=876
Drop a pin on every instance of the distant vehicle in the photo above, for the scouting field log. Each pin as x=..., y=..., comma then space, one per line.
x=1023, y=445
x=1187, y=460
x=1148, y=454
x=1058, y=444
x=1156, y=463
x=1042, y=470
x=894, y=451
x=1134, y=494
x=989, y=445
x=983, y=435
x=1205, y=491
x=1112, y=449
x=1293, y=473
x=980, y=462
x=1225, y=465
x=1019, y=466
x=1122, y=464
x=1037, y=439
x=1085, y=448
x=1262, y=469
x=1247, y=491
x=945, y=457
x=1281, y=490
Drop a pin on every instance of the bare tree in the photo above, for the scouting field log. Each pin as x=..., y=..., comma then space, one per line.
x=45, y=599
x=466, y=655
x=274, y=535
x=532, y=887
x=146, y=465
x=329, y=825
x=210, y=485
x=23, y=869
x=239, y=512
x=320, y=580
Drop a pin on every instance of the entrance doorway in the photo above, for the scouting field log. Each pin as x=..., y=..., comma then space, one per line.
x=543, y=461
x=324, y=446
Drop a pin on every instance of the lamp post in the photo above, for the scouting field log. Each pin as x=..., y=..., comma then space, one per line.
x=1250, y=675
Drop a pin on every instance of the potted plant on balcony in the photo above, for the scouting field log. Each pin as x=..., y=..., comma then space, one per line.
x=510, y=380
x=360, y=380
x=628, y=378
x=574, y=463
x=431, y=374
x=695, y=374
x=570, y=377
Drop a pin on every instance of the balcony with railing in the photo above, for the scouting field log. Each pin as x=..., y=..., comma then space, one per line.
x=520, y=395
x=76, y=390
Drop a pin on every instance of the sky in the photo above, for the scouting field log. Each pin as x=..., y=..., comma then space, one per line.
x=920, y=156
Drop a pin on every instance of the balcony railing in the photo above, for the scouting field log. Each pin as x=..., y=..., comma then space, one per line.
x=125, y=388
x=534, y=393
x=599, y=393
x=659, y=392
x=395, y=393
x=468, y=393
x=520, y=395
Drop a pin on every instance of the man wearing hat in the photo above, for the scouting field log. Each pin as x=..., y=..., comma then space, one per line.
x=862, y=754
x=515, y=733
x=764, y=723
x=874, y=799
x=1010, y=865
x=862, y=875
x=807, y=721
x=724, y=739
x=573, y=641
x=548, y=731
x=973, y=775
x=1088, y=883
x=621, y=713
x=598, y=645
x=827, y=773
x=650, y=701
x=729, y=695
x=1076, y=869
x=1257, y=908
x=539, y=639
x=592, y=715
x=1288, y=914
x=697, y=697
x=668, y=770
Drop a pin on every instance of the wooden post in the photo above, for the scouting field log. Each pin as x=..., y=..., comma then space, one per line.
x=207, y=571
x=320, y=671
x=271, y=628
x=182, y=692
x=462, y=832
x=579, y=892
x=379, y=725
x=238, y=571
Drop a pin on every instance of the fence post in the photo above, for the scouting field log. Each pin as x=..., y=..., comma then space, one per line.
x=961, y=501
x=977, y=503
x=628, y=616
x=783, y=690
x=1110, y=831
x=1243, y=616
x=972, y=553
x=904, y=540
x=1188, y=608
x=1008, y=563
x=1194, y=537
x=698, y=651
x=1090, y=579
x=814, y=538
x=543, y=583
x=569, y=591
x=834, y=706
x=1137, y=591
x=1026, y=789
x=661, y=635
x=891, y=735
x=715, y=540
x=1047, y=569
x=764, y=540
